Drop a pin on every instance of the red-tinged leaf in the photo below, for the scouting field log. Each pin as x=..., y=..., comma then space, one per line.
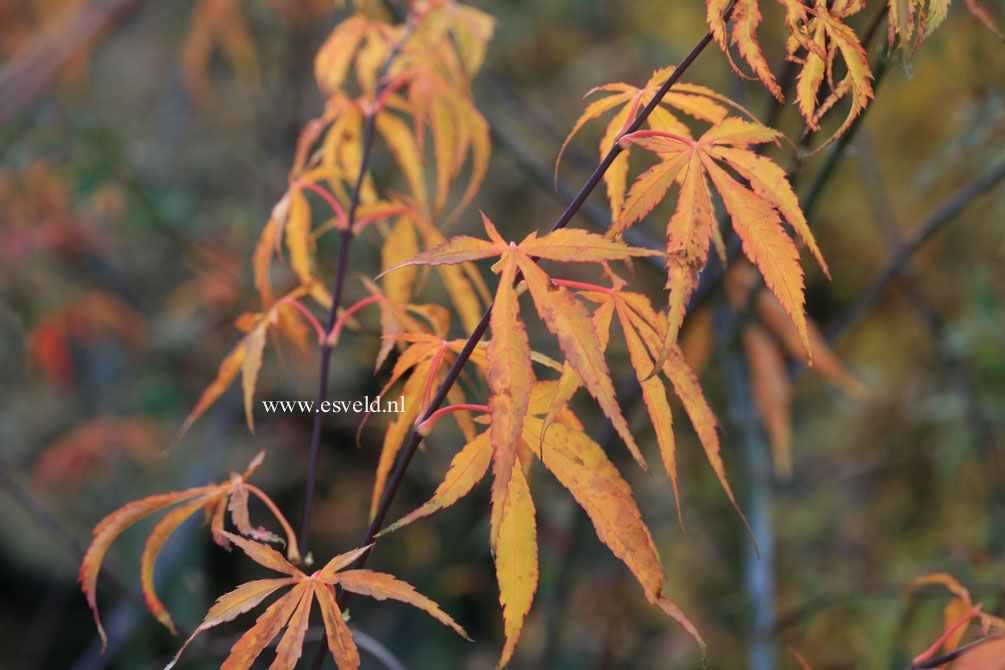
x=772, y=393
x=382, y=586
x=401, y=245
x=654, y=396
x=737, y=132
x=327, y=573
x=261, y=263
x=647, y=192
x=298, y=237
x=231, y=605
x=570, y=322
x=399, y=429
x=155, y=542
x=467, y=468
x=264, y=555
x=688, y=234
x=109, y=528
x=226, y=374
x=401, y=141
x=745, y=18
x=570, y=381
x=593, y=110
x=825, y=36
x=457, y=249
x=291, y=645
x=275, y=617
x=771, y=183
x=516, y=560
x=254, y=343
x=510, y=379
x=237, y=505
x=687, y=388
x=573, y=245
x=339, y=637
x=244, y=598
x=944, y=579
x=331, y=65
x=765, y=243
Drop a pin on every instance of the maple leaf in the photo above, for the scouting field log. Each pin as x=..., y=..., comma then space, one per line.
x=231, y=495
x=696, y=101
x=913, y=21
x=582, y=467
x=428, y=80
x=564, y=316
x=246, y=357
x=292, y=610
x=427, y=356
x=755, y=211
x=745, y=17
x=822, y=33
x=642, y=326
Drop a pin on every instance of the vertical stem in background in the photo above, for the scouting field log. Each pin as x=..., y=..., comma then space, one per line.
x=758, y=572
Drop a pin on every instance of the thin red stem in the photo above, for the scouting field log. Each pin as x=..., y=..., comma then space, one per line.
x=340, y=214
x=928, y=653
x=434, y=366
x=568, y=283
x=364, y=221
x=657, y=133
x=307, y=315
x=340, y=323
x=426, y=426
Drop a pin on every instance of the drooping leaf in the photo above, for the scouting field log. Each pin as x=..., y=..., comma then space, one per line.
x=194, y=499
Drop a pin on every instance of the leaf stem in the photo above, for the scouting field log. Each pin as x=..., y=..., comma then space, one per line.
x=333, y=334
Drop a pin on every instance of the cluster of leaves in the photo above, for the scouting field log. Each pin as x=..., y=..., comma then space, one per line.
x=409, y=85
x=821, y=40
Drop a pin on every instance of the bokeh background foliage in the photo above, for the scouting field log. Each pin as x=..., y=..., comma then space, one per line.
x=132, y=192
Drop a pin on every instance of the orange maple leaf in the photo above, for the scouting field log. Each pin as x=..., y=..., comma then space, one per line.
x=582, y=467
x=292, y=610
x=755, y=211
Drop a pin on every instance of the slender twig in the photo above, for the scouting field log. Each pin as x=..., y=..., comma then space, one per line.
x=944, y=214
x=340, y=274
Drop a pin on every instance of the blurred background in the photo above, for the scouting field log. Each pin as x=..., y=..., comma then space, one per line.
x=142, y=147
